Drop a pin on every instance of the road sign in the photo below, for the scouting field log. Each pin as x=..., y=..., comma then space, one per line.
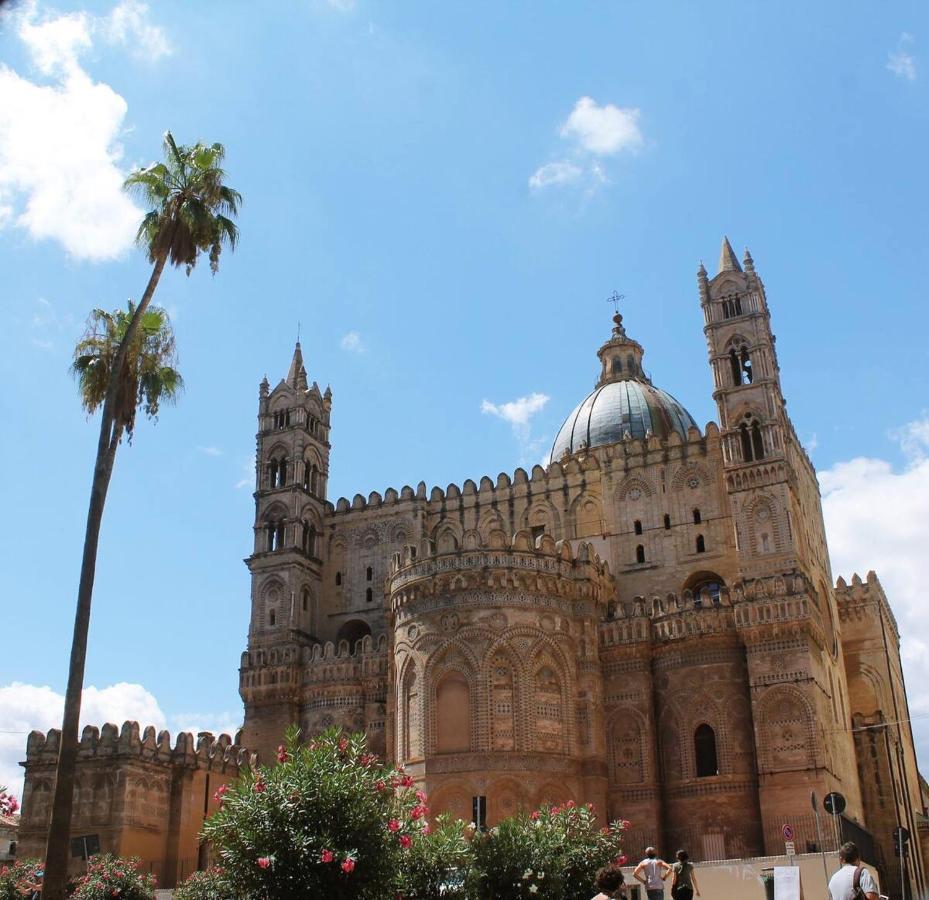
x=834, y=803
x=789, y=848
x=788, y=832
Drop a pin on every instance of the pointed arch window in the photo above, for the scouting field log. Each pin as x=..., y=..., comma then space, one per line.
x=640, y=554
x=751, y=440
x=757, y=441
x=701, y=544
x=637, y=526
x=306, y=599
x=309, y=539
x=274, y=531
x=369, y=596
x=705, y=757
x=697, y=517
x=369, y=574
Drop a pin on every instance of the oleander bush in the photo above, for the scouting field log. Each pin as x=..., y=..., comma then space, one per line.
x=549, y=854
x=210, y=884
x=13, y=879
x=108, y=877
x=437, y=862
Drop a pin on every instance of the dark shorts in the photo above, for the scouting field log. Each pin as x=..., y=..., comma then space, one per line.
x=657, y=894
x=684, y=892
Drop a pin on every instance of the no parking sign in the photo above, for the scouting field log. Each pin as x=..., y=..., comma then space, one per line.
x=788, y=832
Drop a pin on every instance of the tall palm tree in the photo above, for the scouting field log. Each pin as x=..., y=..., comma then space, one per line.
x=190, y=212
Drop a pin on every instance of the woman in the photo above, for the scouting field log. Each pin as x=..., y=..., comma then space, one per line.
x=610, y=883
x=683, y=878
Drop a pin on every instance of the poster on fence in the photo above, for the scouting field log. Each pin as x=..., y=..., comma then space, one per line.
x=787, y=883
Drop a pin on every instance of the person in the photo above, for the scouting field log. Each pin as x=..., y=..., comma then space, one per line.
x=683, y=878
x=853, y=875
x=33, y=889
x=652, y=872
x=610, y=882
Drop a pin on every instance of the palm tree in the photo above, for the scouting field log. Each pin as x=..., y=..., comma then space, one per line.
x=190, y=213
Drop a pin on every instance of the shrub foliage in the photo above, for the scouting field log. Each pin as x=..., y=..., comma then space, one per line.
x=109, y=877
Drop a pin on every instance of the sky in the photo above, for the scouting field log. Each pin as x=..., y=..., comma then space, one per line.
x=441, y=196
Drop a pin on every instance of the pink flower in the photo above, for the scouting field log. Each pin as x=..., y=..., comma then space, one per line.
x=427, y=828
x=221, y=792
x=421, y=796
x=343, y=746
x=326, y=856
x=393, y=825
x=590, y=807
x=406, y=781
x=570, y=804
x=626, y=824
x=260, y=786
x=264, y=862
x=417, y=812
x=405, y=841
x=282, y=754
x=534, y=815
x=348, y=865
x=379, y=785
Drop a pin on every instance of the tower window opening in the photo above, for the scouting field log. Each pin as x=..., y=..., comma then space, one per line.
x=309, y=540
x=701, y=544
x=306, y=599
x=745, y=370
x=630, y=364
x=412, y=553
x=369, y=595
x=271, y=618
x=745, y=439
x=369, y=574
x=707, y=763
x=667, y=522
x=536, y=531
x=272, y=473
x=697, y=517
x=338, y=579
x=736, y=368
x=757, y=441
x=640, y=554
x=617, y=365
x=637, y=526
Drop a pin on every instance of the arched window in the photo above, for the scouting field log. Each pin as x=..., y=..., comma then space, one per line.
x=697, y=517
x=640, y=554
x=707, y=764
x=706, y=586
x=617, y=365
x=369, y=595
x=309, y=539
x=271, y=618
x=353, y=630
x=275, y=533
x=272, y=473
x=369, y=573
x=453, y=714
x=306, y=599
x=745, y=369
x=667, y=521
x=282, y=473
x=701, y=544
x=745, y=439
x=637, y=526
x=338, y=579
x=757, y=441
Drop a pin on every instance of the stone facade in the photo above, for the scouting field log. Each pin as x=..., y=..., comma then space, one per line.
x=685, y=665
x=135, y=794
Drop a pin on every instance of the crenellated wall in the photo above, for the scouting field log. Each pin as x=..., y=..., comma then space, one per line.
x=136, y=792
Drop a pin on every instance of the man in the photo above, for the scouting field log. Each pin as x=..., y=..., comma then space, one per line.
x=852, y=874
x=652, y=872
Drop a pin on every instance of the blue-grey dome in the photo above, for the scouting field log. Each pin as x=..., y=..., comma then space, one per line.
x=617, y=407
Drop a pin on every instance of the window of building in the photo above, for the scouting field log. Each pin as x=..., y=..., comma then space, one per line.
x=369, y=574
x=757, y=441
x=637, y=526
x=697, y=518
x=751, y=439
x=617, y=365
x=338, y=579
x=369, y=595
x=667, y=521
x=707, y=763
x=306, y=599
x=640, y=554
x=536, y=531
x=701, y=544
x=272, y=618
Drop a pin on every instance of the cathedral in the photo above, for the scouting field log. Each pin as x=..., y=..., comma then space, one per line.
x=648, y=623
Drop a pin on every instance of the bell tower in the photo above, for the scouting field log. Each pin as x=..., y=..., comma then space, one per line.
x=292, y=469
x=785, y=604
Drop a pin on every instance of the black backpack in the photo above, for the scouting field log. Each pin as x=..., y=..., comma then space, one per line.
x=857, y=892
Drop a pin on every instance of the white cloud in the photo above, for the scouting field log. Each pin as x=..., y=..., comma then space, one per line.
x=60, y=174
x=900, y=61
x=28, y=707
x=603, y=130
x=210, y=451
x=352, y=342
x=225, y=722
x=519, y=413
x=559, y=172
x=248, y=474
x=592, y=133
x=341, y=5
x=876, y=518
x=128, y=25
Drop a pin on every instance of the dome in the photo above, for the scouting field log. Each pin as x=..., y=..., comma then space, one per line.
x=617, y=407
x=624, y=400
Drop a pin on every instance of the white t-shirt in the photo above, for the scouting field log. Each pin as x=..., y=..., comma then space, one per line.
x=842, y=884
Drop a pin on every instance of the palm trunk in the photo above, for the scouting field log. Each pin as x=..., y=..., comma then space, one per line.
x=57, y=850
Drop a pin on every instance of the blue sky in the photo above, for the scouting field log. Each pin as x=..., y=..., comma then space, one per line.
x=443, y=195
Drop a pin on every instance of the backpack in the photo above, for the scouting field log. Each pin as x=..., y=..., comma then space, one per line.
x=857, y=892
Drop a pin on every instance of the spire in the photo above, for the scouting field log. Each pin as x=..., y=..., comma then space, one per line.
x=263, y=387
x=728, y=261
x=748, y=262
x=296, y=364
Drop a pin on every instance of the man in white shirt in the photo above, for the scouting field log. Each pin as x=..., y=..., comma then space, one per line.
x=652, y=873
x=842, y=884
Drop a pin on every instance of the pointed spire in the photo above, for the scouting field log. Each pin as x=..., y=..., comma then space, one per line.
x=301, y=384
x=728, y=261
x=296, y=364
x=748, y=262
x=264, y=387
